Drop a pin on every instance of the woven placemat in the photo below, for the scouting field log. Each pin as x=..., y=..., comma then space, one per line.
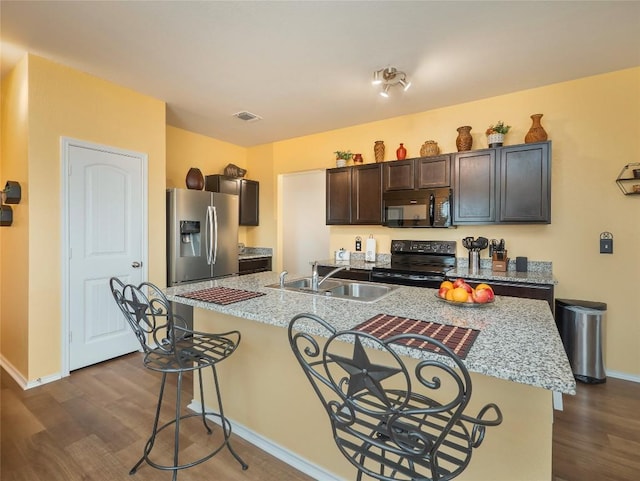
x=458, y=339
x=221, y=295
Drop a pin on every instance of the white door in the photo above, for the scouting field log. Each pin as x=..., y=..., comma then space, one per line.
x=305, y=229
x=106, y=238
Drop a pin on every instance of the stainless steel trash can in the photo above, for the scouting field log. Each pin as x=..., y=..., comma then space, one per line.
x=580, y=327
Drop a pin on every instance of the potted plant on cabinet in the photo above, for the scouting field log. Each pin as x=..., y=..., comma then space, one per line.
x=495, y=134
x=342, y=157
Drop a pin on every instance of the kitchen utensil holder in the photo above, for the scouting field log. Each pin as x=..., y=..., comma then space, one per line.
x=474, y=262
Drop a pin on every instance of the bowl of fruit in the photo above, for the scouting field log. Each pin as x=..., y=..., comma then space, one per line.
x=460, y=293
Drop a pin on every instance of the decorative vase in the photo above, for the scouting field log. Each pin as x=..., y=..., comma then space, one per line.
x=378, y=150
x=357, y=158
x=401, y=152
x=429, y=148
x=536, y=132
x=464, y=141
x=194, y=179
x=495, y=140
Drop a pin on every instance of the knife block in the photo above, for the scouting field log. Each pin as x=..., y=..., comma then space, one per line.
x=499, y=264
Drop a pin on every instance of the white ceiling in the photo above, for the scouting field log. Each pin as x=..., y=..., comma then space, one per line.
x=306, y=66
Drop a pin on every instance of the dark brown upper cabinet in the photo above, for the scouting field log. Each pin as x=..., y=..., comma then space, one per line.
x=354, y=195
x=420, y=173
x=505, y=185
x=248, y=190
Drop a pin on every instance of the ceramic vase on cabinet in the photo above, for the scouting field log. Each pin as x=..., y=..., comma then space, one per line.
x=378, y=150
x=357, y=158
x=194, y=179
x=464, y=141
x=401, y=152
x=536, y=132
x=495, y=140
x=429, y=148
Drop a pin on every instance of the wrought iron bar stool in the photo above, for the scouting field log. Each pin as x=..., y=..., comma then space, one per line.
x=170, y=348
x=385, y=417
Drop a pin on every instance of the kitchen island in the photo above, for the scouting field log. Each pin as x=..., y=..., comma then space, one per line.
x=516, y=361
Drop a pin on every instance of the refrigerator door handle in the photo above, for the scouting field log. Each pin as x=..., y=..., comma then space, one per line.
x=209, y=232
x=215, y=234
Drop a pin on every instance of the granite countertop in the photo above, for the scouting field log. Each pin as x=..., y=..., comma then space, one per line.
x=254, y=252
x=518, y=338
x=537, y=273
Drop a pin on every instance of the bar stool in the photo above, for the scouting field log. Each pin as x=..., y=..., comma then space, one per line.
x=385, y=417
x=170, y=348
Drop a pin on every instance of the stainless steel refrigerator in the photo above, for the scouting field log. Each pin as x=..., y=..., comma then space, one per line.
x=202, y=235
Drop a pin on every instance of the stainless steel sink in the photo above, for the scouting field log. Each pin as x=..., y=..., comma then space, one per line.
x=361, y=291
x=305, y=284
x=342, y=289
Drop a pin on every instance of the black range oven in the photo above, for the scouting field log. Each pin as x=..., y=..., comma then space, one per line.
x=417, y=263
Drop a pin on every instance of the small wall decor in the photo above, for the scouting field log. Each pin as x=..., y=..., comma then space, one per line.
x=495, y=134
x=11, y=194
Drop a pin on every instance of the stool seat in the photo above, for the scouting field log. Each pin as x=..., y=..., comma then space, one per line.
x=172, y=349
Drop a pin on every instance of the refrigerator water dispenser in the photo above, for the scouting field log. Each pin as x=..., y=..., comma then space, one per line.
x=189, y=238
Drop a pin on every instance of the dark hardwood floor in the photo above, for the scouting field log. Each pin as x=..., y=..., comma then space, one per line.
x=92, y=425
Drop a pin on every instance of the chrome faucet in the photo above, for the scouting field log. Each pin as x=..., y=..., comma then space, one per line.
x=315, y=278
x=282, y=276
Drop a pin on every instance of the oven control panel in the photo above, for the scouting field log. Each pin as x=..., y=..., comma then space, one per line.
x=423, y=247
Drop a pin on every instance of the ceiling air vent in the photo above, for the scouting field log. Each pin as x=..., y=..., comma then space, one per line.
x=247, y=116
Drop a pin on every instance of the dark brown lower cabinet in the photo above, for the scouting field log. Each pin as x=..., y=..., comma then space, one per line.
x=253, y=265
x=352, y=274
x=520, y=289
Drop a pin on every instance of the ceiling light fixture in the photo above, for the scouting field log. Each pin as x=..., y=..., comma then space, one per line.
x=388, y=77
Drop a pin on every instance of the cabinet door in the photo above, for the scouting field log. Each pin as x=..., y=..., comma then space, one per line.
x=222, y=183
x=249, y=202
x=525, y=181
x=433, y=172
x=366, y=194
x=399, y=175
x=338, y=196
x=474, y=187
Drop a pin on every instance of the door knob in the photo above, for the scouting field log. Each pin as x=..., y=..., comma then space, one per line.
x=136, y=264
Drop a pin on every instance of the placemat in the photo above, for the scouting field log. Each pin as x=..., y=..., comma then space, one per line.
x=221, y=295
x=458, y=339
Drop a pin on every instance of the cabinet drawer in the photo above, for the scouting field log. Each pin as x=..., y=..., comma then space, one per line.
x=250, y=266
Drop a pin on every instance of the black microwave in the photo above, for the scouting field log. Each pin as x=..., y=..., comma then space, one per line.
x=417, y=208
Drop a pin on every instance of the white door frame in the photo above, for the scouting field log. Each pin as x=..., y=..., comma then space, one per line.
x=65, y=144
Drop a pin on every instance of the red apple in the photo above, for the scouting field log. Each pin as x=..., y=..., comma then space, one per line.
x=467, y=287
x=442, y=292
x=458, y=282
x=482, y=296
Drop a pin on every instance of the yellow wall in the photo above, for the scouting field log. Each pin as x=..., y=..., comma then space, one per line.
x=14, y=259
x=594, y=124
x=187, y=149
x=66, y=103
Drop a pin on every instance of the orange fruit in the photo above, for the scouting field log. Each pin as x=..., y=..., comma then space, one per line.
x=460, y=294
x=483, y=286
x=449, y=295
x=447, y=284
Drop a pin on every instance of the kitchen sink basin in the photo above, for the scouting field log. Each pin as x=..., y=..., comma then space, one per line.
x=360, y=291
x=305, y=284
x=342, y=289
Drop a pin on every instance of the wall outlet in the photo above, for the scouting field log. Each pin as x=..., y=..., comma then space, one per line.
x=606, y=246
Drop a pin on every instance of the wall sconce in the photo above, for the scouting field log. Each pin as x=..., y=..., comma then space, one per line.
x=388, y=77
x=11, y=194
